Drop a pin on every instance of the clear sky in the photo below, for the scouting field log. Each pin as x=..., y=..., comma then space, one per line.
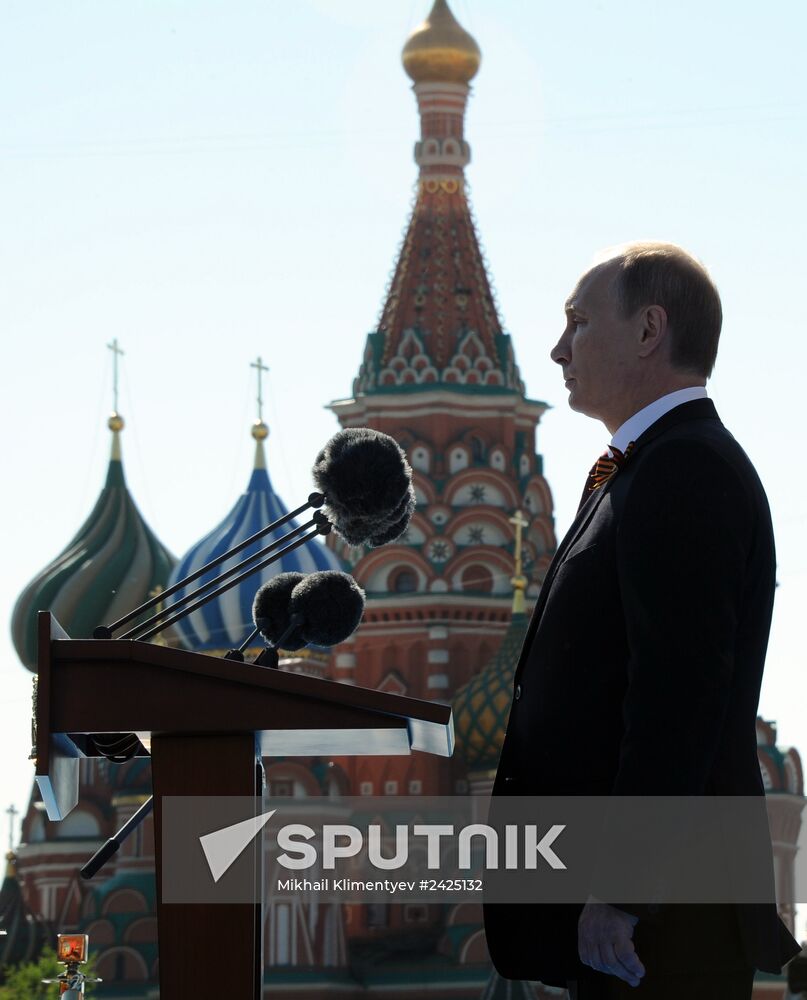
x=207, y=181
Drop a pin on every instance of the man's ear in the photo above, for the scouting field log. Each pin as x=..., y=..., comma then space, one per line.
x=653, y=331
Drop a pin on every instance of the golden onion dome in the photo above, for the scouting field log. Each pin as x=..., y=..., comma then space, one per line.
x=440, y=50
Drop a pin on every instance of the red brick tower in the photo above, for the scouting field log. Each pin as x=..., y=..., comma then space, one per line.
x=440, y=376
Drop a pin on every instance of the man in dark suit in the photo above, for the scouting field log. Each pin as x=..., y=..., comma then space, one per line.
x=641, y=670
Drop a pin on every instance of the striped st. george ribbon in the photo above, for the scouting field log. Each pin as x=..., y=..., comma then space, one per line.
x=604, y=469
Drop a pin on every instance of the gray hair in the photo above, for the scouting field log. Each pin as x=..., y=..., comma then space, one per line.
x=665, y=275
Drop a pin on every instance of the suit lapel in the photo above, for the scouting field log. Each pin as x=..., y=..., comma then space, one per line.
x=578, y=526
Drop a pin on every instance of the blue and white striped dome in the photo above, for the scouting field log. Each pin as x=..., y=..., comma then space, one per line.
x=227, y=620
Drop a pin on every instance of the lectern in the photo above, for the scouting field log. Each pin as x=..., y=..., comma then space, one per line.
x=208, y=722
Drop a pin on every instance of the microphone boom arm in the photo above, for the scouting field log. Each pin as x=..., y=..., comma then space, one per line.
x=105, y=631
x=143, y=626
x=323, y=528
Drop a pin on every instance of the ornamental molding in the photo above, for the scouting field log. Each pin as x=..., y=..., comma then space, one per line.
x=438, y=401
x=495, y=515
x=470, y=365
x=482, y=475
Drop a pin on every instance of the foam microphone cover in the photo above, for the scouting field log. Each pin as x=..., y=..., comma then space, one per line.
x=331, y=605
x=270, y=607
x=374, y=531
x=389, y=532
x=396, y=524
x=367, y=483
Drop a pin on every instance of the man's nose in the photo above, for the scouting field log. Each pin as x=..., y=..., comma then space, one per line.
x=560, y=352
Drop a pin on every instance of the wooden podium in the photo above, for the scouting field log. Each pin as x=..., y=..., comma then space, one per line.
x=208, y=722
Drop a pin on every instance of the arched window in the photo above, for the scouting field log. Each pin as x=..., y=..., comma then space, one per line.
x=478, y=448
x=403, y=581
x=478, y=579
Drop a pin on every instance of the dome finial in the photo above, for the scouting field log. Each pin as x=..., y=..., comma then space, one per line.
x=115, y=422
x=518, y=579
x=259, y=429
x=440, y=50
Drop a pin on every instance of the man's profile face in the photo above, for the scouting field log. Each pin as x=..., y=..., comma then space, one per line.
x=597, y=347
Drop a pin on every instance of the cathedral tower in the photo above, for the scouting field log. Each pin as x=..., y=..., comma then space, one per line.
x=439, y=374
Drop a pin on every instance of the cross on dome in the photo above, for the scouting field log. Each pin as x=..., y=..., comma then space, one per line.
x=259, y=429
x=261, y=368
x=117, y=352
x=115, y=422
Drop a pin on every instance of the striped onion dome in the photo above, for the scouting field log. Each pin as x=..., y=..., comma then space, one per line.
x=226, y=621
x=113, y=564
x=481, y=706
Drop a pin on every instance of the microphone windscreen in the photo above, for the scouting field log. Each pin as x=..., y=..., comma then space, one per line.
x=390, y=532
x=270, y=607
x=366, y=479
x=331, y=605
x=395, y=525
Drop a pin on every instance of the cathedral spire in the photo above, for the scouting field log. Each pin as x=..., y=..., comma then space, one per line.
x=439, y=327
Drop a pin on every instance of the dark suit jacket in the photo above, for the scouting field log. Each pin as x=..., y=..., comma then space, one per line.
x=640, y=675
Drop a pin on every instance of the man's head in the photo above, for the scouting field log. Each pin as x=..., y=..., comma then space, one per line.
x=642, y=322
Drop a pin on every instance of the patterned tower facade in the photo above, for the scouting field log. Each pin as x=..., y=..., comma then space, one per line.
x=439, y=375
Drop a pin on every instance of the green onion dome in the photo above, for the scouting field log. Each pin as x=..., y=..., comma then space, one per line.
x=114, y=563
x=26, y=933
x=481, y=707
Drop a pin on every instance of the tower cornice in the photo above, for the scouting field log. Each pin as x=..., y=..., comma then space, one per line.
x=353, y=412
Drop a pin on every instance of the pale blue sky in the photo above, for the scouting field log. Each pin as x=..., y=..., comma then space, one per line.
x=209, y=181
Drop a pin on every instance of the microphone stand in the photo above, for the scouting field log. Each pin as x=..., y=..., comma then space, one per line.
x=271, y=646
x=196, y=599
x=268, y=657
x=314, y=500
x=322, y=526
x=110, y=848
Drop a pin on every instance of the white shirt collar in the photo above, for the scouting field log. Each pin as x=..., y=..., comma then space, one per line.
x=639, y=422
